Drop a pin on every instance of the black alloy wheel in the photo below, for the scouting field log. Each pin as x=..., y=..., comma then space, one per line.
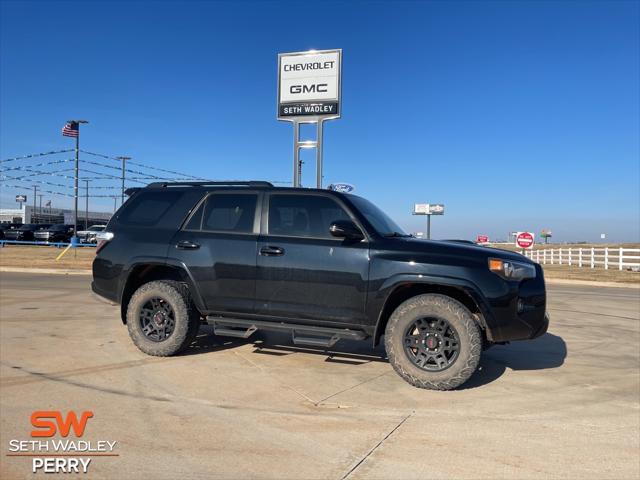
x=432, y=344
x=157, y=319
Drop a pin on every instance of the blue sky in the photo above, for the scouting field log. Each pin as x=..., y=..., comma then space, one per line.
x=516, y=115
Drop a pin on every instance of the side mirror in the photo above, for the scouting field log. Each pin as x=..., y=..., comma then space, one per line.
x=345, y=229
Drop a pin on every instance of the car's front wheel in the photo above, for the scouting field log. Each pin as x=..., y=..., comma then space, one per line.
x=161, y=318
x=433, y=342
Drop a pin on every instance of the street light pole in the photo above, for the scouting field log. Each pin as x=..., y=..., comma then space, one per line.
x=124, y=160
x=86, y=206
x=35, y=189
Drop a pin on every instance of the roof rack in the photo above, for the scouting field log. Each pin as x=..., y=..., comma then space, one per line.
x=230, y=183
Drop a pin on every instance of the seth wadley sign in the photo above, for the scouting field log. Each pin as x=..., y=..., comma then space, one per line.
x=309, y=84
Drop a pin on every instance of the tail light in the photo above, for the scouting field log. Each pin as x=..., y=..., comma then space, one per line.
x=103, y=238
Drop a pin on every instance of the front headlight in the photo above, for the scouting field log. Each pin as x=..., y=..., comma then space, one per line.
x=510, y=270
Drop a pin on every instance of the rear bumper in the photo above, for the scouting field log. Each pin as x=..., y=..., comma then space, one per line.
x=103, y=295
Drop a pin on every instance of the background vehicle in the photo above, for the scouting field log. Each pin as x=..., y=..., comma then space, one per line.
x=324, y=265
x=55, y=233
x=89, y=235
x=25, y=232
x=8, y=226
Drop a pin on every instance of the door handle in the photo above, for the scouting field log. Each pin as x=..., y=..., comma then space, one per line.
x=271, y=251
x=187, y=245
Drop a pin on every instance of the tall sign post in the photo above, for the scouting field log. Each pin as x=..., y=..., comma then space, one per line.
x=309, y=91
x=21, y=199
x=124, y=161
x=428, y=209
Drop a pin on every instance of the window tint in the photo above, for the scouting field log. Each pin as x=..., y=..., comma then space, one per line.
x=230, y=213
x=196, y=219
x=303, y=215
x=147, y=208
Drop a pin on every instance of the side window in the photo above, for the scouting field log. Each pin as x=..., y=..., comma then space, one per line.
x=303, y=215
x=147, y=208
x=196, y=219
x=230, y=213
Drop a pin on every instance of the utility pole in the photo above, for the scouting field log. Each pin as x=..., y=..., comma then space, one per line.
x=35, y=190
x=124, y=160
x=40, y=195
x=75, y=183
x=86, y=206
x=115, y=202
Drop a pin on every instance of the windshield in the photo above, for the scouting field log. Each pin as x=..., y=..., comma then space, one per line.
x=59, y=227
x=383, y=224
x=28, y=226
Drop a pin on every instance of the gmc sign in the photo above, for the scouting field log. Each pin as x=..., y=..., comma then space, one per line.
x=309, y=84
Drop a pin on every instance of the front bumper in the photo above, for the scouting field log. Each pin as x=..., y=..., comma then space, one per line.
x=520, y=313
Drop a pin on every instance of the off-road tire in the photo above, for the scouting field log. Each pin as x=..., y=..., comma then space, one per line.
x=187, y=318
x=458, y=316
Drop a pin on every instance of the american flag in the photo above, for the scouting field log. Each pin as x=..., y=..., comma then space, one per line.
x=48, y=204
x=70, y=129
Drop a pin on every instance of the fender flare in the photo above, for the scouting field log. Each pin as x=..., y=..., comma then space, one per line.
x=181, y=267
x=463, y=285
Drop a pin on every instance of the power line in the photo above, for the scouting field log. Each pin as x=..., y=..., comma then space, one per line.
x=35, y=155
x=43, y=164
x=144, y=166
x=37, y=173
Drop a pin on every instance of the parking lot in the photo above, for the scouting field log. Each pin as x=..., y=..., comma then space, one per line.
x=563, y=406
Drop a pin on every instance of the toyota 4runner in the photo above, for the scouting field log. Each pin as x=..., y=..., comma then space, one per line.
x=323, y=265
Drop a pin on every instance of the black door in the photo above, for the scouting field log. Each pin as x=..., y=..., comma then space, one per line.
x=304, y=272
x=218, y=245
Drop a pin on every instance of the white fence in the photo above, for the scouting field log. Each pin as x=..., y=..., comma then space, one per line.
x=607, y=257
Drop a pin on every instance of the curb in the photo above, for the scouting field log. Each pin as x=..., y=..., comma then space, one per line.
x=52, y=271
x=591, y=283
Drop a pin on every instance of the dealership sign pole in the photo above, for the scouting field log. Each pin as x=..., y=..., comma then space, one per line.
x=428, y=209
x=21, y=199
x=309, y=90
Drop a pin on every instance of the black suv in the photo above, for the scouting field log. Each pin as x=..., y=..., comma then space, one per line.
x=247, y=256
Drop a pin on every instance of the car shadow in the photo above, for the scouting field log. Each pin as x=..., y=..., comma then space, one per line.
x=546, y=352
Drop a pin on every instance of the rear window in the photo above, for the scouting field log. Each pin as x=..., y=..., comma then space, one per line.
x=147, y=208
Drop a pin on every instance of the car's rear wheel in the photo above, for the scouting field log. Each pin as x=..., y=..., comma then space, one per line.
x=161, y=318
x=433, y=342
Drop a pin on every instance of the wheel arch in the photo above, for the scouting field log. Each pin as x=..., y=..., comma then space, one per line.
x=407, y=290
x=146, y=272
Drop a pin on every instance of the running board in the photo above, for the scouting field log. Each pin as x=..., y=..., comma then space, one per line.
x=301, y=334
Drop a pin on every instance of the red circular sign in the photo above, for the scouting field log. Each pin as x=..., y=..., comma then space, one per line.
x=524, y=240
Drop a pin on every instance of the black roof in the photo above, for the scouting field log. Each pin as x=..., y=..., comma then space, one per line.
x=229, y=183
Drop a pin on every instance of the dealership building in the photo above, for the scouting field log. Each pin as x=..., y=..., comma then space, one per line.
x=29, y=214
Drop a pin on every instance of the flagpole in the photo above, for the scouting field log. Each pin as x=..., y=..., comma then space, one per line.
x=74, y=240
x=75, y=188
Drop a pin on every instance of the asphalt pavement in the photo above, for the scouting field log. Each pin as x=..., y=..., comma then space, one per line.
x=563, y=406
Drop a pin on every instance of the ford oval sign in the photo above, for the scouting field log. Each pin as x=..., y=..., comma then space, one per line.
x=342, y=187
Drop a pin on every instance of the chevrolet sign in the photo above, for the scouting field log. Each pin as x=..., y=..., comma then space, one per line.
x=309, y=84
